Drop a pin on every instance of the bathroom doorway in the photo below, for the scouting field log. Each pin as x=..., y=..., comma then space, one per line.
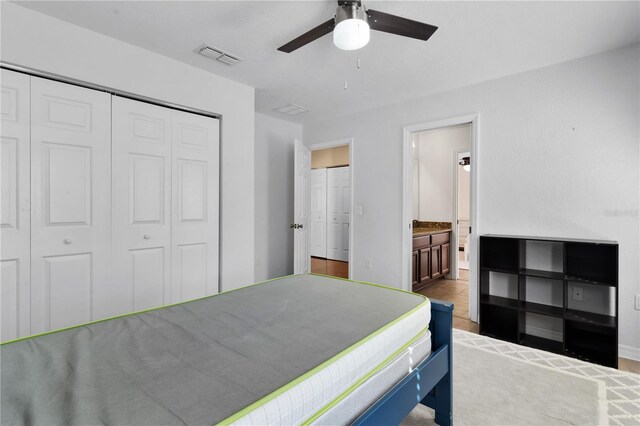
x=462, y=165
x=439, y=208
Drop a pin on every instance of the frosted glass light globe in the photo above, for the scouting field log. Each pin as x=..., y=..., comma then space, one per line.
x=351, y=34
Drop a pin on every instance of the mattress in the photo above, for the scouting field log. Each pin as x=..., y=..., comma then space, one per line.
x=284, y=351
x=347, y=409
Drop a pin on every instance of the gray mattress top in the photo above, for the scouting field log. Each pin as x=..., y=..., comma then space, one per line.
x=194, y=363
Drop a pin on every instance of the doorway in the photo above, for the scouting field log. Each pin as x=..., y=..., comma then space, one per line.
x=440, y=201
x=330, y=210
x=462, y=167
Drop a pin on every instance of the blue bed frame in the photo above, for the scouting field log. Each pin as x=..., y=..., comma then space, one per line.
x=430, y=383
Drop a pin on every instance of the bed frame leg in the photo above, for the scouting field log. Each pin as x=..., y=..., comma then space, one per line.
x=443, y=401
x=441, y=398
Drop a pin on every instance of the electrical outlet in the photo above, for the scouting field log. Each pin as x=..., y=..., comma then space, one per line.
x=637, y=302
x=368, y=263
x=577, y=294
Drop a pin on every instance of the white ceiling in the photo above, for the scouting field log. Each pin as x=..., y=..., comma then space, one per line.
x=475, y=42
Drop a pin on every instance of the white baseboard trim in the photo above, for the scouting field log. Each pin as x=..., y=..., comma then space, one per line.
x=543, y=332
x=629, y=352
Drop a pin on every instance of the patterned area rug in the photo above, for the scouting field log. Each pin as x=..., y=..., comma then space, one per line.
x=500, y=383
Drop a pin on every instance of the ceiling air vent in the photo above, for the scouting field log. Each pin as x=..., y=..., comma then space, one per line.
x=292, y=109
x=219, y=55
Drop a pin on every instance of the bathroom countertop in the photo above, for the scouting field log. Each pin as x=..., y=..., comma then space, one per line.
x=421, y=228
x=420, y=232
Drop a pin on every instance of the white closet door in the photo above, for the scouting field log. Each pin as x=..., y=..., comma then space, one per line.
x=195, y=198
x=318, y=213
x=338, y=213
x=70, y=220
x=14, y=207
x=141, y=206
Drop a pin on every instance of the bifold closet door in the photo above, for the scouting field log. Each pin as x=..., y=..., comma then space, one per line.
x=141, y=206
x=318, y=235
x=70, y=198
x=15, y=209
x=195, y=200
x=338, y=213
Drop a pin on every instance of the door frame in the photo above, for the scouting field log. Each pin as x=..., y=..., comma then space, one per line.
x=407, y=213
x=334, y=144
x=455, y=271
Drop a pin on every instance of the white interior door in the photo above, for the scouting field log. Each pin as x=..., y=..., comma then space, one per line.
x=141, y=206
x=14, y=207
x=318, y=240
x=195, y=201
x=338, y=213
x=302, y=172
x=70, y=221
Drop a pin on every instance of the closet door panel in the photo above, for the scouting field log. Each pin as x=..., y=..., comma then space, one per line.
x=15, y=205
x=195, y=200
x=318, y=213
x=345, y=192
x=338, y=213
x=70, y=196
x=141, y=205
x=68, y=281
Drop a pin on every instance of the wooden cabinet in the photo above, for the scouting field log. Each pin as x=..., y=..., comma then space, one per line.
x=430, y=258
x=425, y=266
x=436, y=271
x=444, y=253
x=414, y=268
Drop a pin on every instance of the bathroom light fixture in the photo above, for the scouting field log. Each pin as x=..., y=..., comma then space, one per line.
x=352, y=28
x=465, y=162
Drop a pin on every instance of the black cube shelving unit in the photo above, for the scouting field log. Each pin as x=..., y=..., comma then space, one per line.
x=588, y=332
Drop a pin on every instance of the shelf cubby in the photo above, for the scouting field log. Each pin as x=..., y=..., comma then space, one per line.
x=502, y=322
x=545, y=344
x=527, y=287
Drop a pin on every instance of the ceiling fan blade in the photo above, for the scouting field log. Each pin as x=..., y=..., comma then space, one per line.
x=319, y=31
x=393, y=24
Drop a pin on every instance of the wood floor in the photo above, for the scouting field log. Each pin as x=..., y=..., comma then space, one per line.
x=458, y=293
x=335, y=268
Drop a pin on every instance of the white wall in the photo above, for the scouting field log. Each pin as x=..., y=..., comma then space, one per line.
x=274, y=196
x=436, y=169
x=558, y=156
x=37, y=41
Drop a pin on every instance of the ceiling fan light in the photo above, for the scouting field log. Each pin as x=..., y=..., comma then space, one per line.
x=351, y=29
x=351, y=34
x=467, y=167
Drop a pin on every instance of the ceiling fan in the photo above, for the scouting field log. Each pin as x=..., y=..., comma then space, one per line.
x=351, y=26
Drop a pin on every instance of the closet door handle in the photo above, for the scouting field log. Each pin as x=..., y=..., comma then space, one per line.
x=67, y=241
x=147, y=236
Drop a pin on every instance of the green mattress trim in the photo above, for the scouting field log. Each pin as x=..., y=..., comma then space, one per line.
x=333, y=359
x=366, y=377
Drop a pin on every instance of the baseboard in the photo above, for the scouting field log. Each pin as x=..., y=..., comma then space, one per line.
x=544, y=333
x=629, y=352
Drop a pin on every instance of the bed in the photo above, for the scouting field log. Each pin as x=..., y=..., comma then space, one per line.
x=302, y=349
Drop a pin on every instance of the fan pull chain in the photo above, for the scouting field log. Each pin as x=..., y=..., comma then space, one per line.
x=344, y=70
